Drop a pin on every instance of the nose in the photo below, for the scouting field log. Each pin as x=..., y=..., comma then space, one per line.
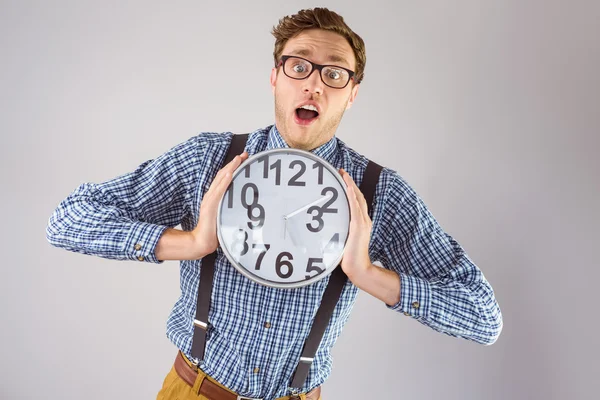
x=313, y=83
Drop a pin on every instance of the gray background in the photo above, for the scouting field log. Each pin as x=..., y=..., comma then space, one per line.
x=490, y=110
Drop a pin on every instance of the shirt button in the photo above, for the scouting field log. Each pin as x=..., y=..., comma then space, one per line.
x=415, y=304
x=138, y=246
x=256, y=370
x=141, y=258
x=267, y=325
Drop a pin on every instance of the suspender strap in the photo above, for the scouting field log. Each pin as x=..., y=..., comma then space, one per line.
x=333, y=291
x=369, y=182
x=237, y=146
x=202, y=305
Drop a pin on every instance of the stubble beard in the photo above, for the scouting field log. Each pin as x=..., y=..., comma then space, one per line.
x=329, y=127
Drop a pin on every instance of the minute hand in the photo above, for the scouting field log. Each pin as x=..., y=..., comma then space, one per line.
x=305, y=207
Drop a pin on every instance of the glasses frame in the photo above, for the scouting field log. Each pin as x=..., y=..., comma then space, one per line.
x=318, y=67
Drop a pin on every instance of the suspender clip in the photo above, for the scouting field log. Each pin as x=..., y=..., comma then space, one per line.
x=200, y=324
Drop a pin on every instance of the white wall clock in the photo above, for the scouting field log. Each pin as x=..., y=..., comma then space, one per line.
x=284, y=220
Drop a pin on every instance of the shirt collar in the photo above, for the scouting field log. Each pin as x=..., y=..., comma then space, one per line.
x=327, y=151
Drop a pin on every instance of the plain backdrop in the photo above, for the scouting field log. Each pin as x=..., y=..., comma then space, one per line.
x=489, y=109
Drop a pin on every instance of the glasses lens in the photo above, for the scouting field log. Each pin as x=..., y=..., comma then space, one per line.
x=336, y=77
x=296, y=68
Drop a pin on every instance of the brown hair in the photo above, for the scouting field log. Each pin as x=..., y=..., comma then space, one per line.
x=320, y=18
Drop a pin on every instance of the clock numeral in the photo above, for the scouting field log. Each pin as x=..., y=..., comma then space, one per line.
x=261, y=255
x=318, y=218
x=240, y=241
x=254, y=196
x=320, y=167
x=311, y=267
x=247, y=171
x=276, y=166
x=331, y=201
x=265, y=159
x=334, y=243
x=294, y=180
x=230, y=196
x=322, y=210
x=260, y=218
x=279, y=263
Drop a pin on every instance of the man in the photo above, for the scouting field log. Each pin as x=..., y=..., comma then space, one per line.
x=256, y=333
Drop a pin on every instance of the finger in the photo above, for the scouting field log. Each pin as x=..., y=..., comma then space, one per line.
x=348, y=179
x=223, y=185
x=363, y=205
x=233, y=164
x=230, y=167
x=237, y=160
x=358, y=193
x=217, y=190
x=355, y=212
x=226, y=180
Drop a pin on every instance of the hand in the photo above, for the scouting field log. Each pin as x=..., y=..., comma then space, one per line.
x=356, y=261
x=205, y=233
x=290, y=215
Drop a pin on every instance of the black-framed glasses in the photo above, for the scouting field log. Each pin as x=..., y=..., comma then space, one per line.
x=300, y=68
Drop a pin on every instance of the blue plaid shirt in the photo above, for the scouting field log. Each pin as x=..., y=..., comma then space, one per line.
x=256, y=333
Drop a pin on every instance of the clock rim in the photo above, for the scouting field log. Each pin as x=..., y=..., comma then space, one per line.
x=243, y=270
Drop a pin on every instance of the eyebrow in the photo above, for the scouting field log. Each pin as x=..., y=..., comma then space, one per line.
x=331, y=57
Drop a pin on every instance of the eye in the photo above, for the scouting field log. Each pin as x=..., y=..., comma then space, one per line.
x=334, y=74
x=299, y=68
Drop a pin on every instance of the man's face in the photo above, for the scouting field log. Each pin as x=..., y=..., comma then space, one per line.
x=321, y=47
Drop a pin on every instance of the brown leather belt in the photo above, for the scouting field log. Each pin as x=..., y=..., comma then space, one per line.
x=214, y=391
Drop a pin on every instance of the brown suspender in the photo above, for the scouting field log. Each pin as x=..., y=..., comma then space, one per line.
x=333, y=291
x=331, y=296
x=237, y=146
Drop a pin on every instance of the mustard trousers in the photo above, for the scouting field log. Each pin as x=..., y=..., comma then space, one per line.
x=175, y=388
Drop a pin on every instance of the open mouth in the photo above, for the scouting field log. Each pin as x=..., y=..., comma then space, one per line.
x=303, y=116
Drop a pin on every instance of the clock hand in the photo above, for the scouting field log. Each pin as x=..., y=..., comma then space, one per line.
x=285, y=232
x=305, y=207
x=292, y=236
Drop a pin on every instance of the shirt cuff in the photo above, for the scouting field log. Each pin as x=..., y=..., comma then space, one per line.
x=415, y=296
x=141, y=242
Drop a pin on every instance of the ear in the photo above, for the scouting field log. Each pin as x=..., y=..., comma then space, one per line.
x=353, y=94
x=273, y=79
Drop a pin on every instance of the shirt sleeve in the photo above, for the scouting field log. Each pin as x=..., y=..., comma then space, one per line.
x=123, y=218
x=441, y=287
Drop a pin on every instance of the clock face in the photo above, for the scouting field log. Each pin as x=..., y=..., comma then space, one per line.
x=284, y=220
